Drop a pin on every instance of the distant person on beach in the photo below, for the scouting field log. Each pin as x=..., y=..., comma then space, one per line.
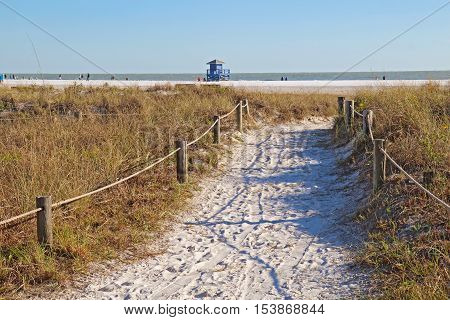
x=384, y=77
x=285, y=78
x=282, y=78
x=88, y=76
x=126, y=78
x=60, y=77
x=112, y=78
x=1, y=78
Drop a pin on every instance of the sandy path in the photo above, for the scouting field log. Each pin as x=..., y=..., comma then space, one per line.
x=272, y=227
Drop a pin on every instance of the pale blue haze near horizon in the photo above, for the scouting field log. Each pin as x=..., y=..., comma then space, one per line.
x=250, y=36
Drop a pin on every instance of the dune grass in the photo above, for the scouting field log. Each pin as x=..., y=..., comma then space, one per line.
x=47, y=150
x=408, y=243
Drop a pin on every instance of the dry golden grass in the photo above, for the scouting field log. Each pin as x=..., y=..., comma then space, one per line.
x=47, y=151
x=408, y=243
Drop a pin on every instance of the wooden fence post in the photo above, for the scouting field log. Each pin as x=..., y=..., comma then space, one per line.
x=247, y=108
x=341, y=105
x=216, y=130
x=239, y=116
x=349, y=113
x=182, y=169
x=367, y=122
x=44, y=221
x=379, y=164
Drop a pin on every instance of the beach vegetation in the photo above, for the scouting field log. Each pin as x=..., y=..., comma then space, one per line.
x=408, y=231
x=65, y=142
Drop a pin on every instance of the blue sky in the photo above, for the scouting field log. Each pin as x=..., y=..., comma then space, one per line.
x=174, y=36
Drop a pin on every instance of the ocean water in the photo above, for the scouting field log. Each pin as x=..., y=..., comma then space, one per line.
x=390, y=75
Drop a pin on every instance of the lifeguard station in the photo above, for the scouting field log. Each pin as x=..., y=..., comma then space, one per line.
x=216, y=71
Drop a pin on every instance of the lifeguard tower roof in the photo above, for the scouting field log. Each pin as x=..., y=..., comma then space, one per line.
x=216, y=61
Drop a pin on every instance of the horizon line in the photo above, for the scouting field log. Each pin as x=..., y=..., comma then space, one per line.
x=267, y=72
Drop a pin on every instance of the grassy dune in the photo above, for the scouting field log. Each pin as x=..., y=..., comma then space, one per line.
x=408, y=243
x=46, y=150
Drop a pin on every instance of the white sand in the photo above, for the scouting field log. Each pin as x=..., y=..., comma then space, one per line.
x=272, y=86
x=275, y=225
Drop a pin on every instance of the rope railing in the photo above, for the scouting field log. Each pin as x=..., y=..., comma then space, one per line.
x=379, y=170
x=67, y=201
x=414, y=180
x=28, y=214
x=358, y=114
x=216, y=121
x=232, y=110
x=203, y=134
x=19, y=217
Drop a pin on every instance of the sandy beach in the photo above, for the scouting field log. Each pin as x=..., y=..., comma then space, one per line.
x=338, y=86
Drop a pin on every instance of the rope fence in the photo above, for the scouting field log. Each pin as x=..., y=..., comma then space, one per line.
x=216, y=121
x=203, y=134
x=347, y=110
x=67, y=201
x=43, y=212
x=358, y=114
x=44, y=206
x=414, y=180
x=229, y=113
x=19, y=217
